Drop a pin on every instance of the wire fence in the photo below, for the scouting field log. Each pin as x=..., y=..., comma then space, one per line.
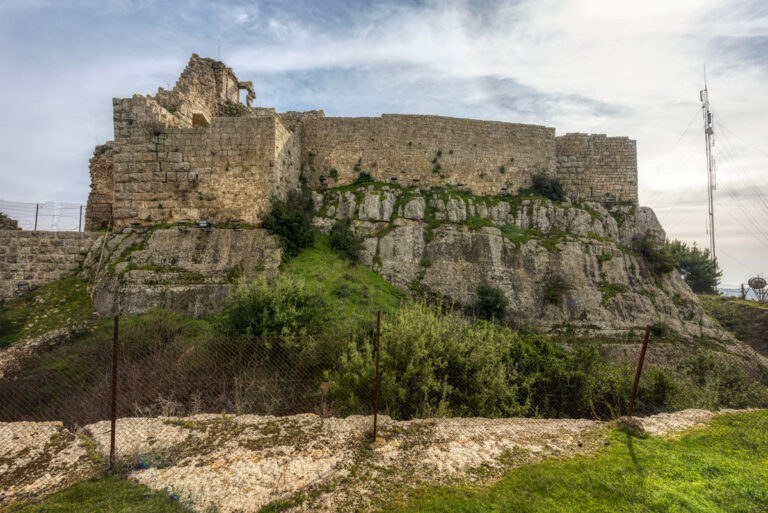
x=145, y=397
x=45, y=216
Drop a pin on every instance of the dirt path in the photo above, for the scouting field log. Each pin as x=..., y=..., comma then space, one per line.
x=241, y=464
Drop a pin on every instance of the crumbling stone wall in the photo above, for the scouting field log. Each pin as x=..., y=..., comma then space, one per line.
x=37, y=258
x=6, y=223
x=487, y=157
x=206, y=87
x=197, y=153
x=598, y=168
x=98, y=212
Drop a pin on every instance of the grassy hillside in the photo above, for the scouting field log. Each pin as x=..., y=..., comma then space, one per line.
x=351, y=292
x=719, y=469
x=747, y=320
x=60, y=304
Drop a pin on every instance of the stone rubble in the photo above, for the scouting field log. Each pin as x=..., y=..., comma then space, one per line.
x=243, y=463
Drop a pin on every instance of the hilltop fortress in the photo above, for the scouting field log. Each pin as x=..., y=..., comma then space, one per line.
x=196, y=152
x=435, y=203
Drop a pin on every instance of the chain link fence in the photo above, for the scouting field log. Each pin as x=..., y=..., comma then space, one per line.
x=150, y=397
x=45, y=216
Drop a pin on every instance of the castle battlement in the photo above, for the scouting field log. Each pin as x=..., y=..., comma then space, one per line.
x=198, y=152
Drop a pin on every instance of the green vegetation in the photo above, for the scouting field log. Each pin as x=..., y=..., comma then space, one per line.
x=286, y=305
x=554, y=288
x=344, y=242
x=697, y=267
x=61, y=304
x=350, y=292
x=291, y=222
x=436, y=363
x=739, y=316
x=362, y=177
x=722, y=468
x=656, y=253
x=548, y=186
x=104, y=493
x=611, y=290
x=491, y=303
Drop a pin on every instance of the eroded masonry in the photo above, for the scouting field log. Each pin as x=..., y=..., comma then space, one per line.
x=199, y=152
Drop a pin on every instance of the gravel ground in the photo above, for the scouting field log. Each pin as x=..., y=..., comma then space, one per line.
x=37, y=458
x=241, y=464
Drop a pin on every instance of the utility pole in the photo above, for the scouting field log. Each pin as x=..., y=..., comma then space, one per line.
x=709, y=138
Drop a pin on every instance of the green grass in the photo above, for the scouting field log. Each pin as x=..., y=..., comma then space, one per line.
x=722, y=468
x=103, y=494
x=59, y=304
x=352, y=292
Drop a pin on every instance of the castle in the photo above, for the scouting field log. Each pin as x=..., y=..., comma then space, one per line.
x=197, y=152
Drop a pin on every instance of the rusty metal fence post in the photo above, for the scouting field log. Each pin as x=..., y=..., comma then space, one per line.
x=376, y=393
x=113, y=409
x=639, y=370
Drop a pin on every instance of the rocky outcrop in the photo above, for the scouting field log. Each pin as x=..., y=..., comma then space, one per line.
x=187, y=270
x=557, y=264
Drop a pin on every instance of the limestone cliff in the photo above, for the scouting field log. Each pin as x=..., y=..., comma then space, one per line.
x=558, y=264
x=189, y=270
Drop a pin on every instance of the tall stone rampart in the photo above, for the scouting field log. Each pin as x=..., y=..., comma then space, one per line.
x=488, y=157
x=37, y=258
x=196, y=152
x=598, y=168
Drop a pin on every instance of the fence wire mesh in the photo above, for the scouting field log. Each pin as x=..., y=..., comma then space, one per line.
x=45, y=216
x=221, y=401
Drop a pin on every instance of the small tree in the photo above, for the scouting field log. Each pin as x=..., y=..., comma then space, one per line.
x=656, y=253
x=548, y=186
x=344, y=242
x=291, y=221
x=699, y=270
x=491, y=303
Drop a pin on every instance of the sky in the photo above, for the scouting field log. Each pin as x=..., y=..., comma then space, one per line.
x=597, y=66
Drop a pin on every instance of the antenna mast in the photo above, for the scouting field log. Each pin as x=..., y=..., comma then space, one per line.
x=709, y=138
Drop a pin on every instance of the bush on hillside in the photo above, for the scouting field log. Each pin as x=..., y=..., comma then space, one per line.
x=697, y=267
x=548, y=186
x=284, y=306
x=656, y=253
x=437, y=364
x=344, y=242
x=291, y=221
x=491, y=302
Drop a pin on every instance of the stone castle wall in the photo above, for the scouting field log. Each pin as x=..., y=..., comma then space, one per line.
x=598, y=168
x=197, y=153
x=37, y=258
x=487, y=157
x=98, y=211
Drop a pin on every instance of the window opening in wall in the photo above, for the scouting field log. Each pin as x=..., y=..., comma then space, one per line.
x=198, y=120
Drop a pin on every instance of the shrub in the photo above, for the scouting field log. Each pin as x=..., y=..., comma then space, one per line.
x=660, y=329
x=291, y=221
x=434, y=363
x=344, y=242
x=491, y=303
x=554, y=287
x=656, y=253
x=699, y=270
x=362, y=178
x=548, y=186
x=286, y=305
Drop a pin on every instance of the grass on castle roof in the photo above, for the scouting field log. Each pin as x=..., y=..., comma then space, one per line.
x=101, y=494
x=59, y=304
x=718, y=469
x=352, y=292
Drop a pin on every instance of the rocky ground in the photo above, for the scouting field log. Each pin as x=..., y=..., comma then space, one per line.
x=241, y=464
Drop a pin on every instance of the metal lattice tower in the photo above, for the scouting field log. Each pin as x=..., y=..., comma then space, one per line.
x=709, y=137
